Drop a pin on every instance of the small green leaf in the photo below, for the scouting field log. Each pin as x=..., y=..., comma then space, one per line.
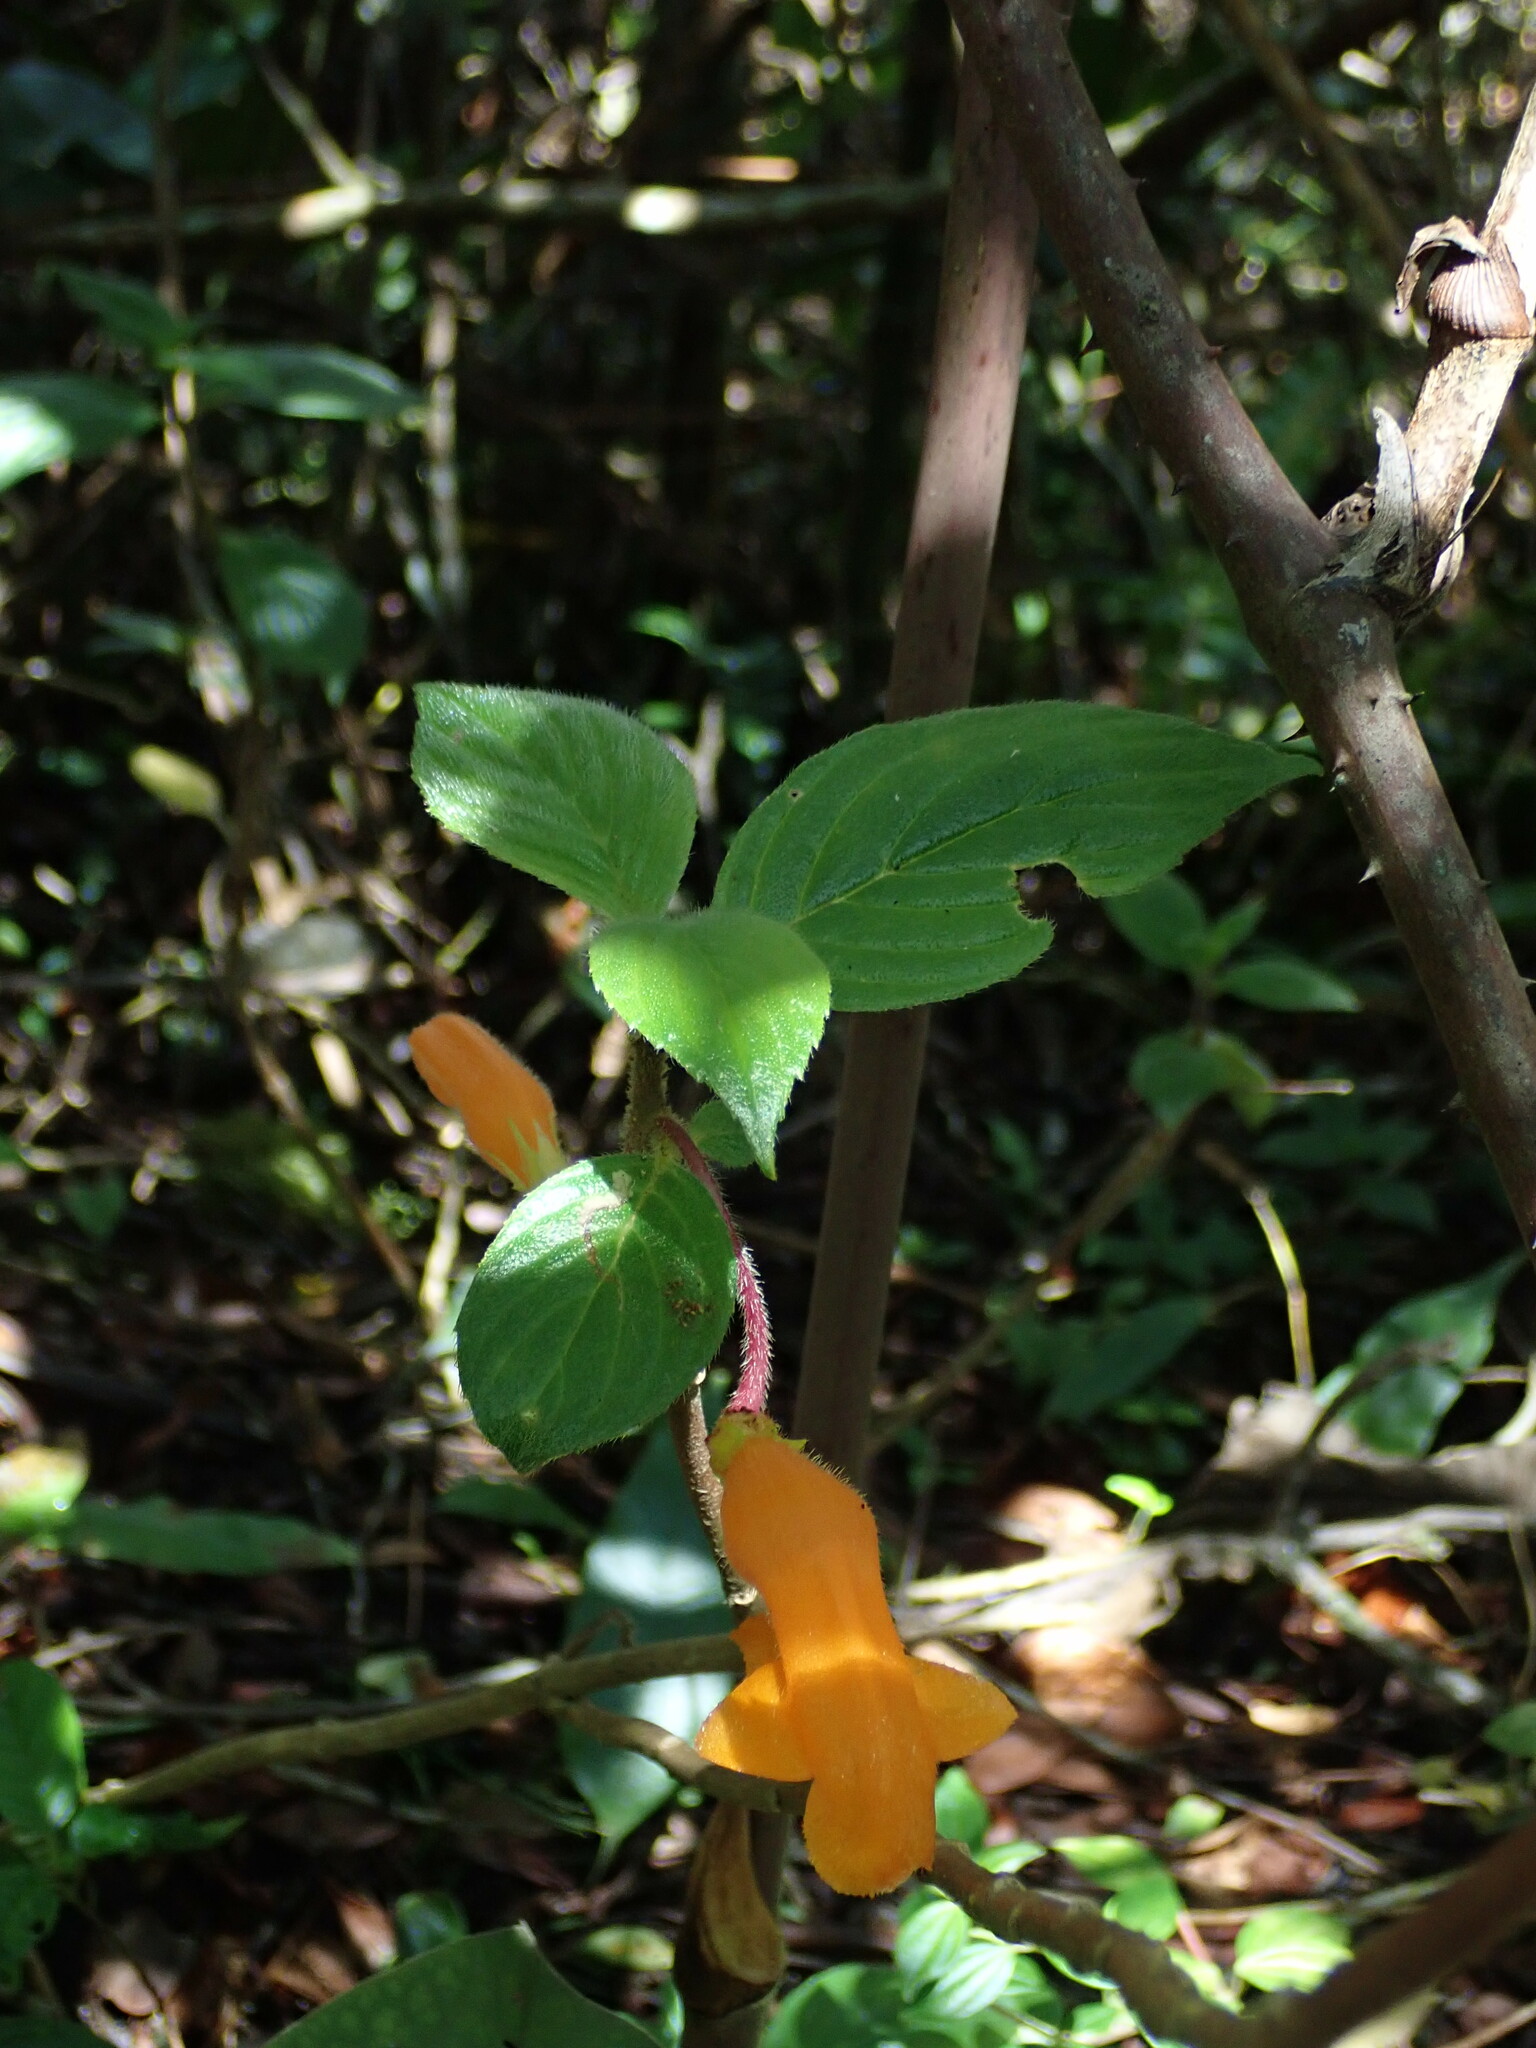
x=608, y=1290
x=1126, y=1356
x=738, y=1001
x=960, y=1812
x=38, y=1484
x=653, y=1571
x=1139, y=1493
x=568, y=789
x=129, y=311
x=718, y=1135
x=977, y=1978
x=895, y=853
x=629, y=1948
x=57, y=416
x=1282, y=982
x=1289, y=1948
x=864, y=2005
x=933, y=1935
x=304, y=383
x=159, y=1534
x=1145, y=1896
x=1165, y=922
x=1440, y=1337
x=512, y=1502
x=42, y=1749
x=98, y=1206
x=112, y=1831
x=298, y=608
x=1178, y=1070
x=1191, y=1815
x=486, y=1991
x=1514, y=1731
x=181, y=785
x=427, y=1920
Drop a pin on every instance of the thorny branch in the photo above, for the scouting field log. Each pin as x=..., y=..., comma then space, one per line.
x=1320, y=622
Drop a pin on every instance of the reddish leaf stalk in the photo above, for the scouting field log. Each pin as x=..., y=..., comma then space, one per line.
x=756, y=1375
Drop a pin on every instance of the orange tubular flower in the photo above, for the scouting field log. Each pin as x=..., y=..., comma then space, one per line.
x=830, y=1694
x=507, y=1111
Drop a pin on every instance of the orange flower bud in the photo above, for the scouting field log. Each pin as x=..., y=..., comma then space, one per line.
x=830, y=1694
x=507, y=1111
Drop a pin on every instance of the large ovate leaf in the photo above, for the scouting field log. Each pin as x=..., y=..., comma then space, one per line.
x=42, y=1749
x=652, y=1571
x=603, y=1297
x=895, y=853
x=304, y=383
x=738, y=1000
x=298, y=608
x=568, y=789
x=486, y=1991
x=56, y=416
x=1425, y=1347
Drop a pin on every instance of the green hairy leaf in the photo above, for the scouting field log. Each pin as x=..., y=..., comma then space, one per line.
x=486, y=1991
x=568, y=789
x=56, y=416
x=739, y=1001
x=895, y=853
x=605, y=1294
x=42, y=1749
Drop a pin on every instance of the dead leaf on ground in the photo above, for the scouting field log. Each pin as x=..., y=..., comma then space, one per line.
x=1034, y=1751
x=1250, y=1861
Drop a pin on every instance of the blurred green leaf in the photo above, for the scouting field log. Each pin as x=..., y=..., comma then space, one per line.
x=513, y=1502
x=34, y=2032
x=1178, y=1070
x=42, y=1749
x=1191, y=1815
x=38, y=1484
x=46, y=109
x=652, y=1566
x=1289, y=1948
x=1439, y=1337
x=1125, y=1356
x=303, y=382
x=297, y=607
x=1514, y=1731
x=129, y=311
x=168, y=1538
x=1166, y=924
x=98, y=1206
x=1282, y=982
x=427, y=1920
x=960, y=1812
x=629, y=1948
x=113, y=1831
x=29, y=1905
x=1145, y=1896
x=56, y=416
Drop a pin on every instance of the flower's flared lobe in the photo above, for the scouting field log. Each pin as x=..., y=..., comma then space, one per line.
x=508, y=1115
x=830, y=1693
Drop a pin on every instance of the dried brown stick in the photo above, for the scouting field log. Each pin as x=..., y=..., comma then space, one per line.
x=988, y=263
x=1330, y=645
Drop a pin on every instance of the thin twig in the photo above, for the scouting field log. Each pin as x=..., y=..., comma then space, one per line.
x=682, y=1760
x=1281, y=1250
x=455, y=1713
